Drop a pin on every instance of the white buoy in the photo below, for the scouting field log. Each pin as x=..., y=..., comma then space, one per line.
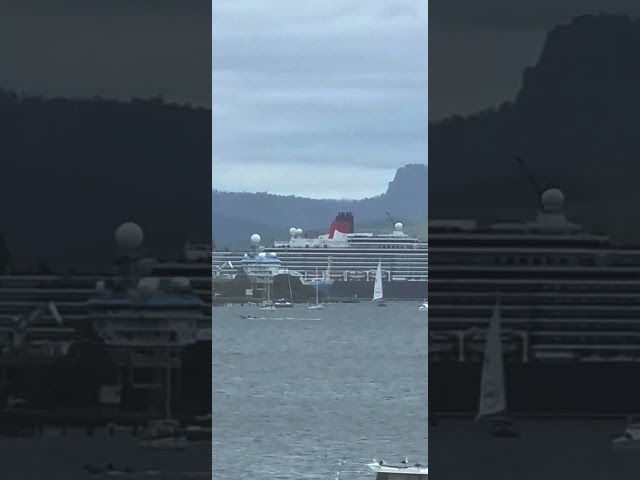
x=553, y=200
x=129, y=235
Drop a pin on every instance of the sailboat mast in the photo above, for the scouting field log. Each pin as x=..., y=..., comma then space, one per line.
x=290, y=289
x=168, y=385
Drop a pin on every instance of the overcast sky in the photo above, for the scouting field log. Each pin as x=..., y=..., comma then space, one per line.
x=323, y=99
x=116, y=48
x=313, y=97
x=480, y=49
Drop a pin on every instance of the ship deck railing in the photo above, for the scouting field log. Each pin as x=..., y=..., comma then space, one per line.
x=585, y=347
x=455, y=323
x=548, y=333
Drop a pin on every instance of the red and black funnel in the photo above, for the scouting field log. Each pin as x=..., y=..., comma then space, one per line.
x=343, y=224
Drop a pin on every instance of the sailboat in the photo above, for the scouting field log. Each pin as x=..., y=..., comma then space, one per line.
x=283, y=303
x=164, y=433
x=317, y=305
x=493, y=400
x=377, y=287
x=267, y=305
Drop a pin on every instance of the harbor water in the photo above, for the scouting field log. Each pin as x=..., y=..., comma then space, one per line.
x=296, y=392
x=546, y=449
x=63, y=458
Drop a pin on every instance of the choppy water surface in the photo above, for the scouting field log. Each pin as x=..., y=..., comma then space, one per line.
x=295, y=391
x=546, y=449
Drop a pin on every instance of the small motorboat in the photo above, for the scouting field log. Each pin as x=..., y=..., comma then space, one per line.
x=629, y=440
x=401, y=471
x=109, y=468
x=424, y=307
x=282, y=303
x=504, y=428
x=267, y=306
x=163, y=434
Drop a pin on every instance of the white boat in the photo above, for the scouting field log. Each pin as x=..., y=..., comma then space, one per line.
x=424, y=307
x=163, y=434
x=378, y=294
x=282, y=303
x=317, y=305
x=493, y=400
x=267, y=305
x=401, y=471
x=629, y=440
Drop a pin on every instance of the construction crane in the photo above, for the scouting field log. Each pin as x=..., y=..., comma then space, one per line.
x=21, y=323
x=217, y=270
x=536, y=186
x=393, y=222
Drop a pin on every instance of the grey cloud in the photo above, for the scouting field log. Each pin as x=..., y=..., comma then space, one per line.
x=114, y=49
x=317, y=88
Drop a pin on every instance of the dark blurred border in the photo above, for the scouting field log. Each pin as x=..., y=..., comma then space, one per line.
x=105, y=118
x=533, y=122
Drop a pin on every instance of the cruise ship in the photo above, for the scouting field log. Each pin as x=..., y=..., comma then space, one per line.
x=570, y=308
x=343, y=262
x=46, y=335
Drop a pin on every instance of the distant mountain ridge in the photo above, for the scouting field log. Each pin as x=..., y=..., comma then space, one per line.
x=238, y=215
x=574, y=121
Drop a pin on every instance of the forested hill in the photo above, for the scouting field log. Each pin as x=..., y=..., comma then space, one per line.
x=574, y=121
x=236, y=215
x=74, y=169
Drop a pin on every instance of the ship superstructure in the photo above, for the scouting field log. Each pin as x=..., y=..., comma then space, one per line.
x=46, y=317
x=570, y=306
x=343, y=263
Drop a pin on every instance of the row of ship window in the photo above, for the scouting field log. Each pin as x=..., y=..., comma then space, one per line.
x=533, y=314
x=533, y=301
x=585, y=261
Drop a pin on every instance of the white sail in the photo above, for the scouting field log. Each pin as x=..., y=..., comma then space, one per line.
x=317, y=305
x=377, y=288
x=492, y=388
